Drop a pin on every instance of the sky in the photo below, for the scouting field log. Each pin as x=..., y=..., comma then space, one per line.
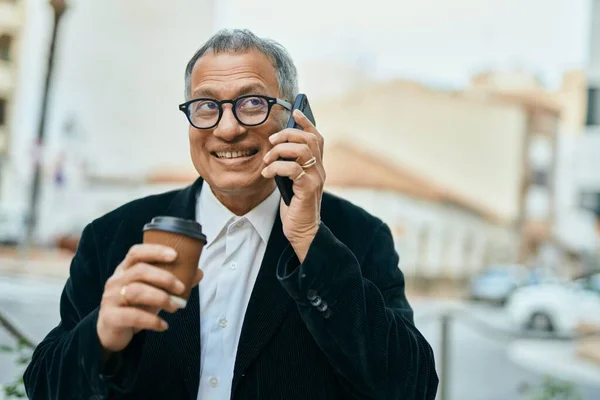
x=439, y=42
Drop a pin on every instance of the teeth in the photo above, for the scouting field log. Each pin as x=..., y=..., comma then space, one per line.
x=233, y=154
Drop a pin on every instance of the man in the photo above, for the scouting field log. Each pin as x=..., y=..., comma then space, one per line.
x=298, y=302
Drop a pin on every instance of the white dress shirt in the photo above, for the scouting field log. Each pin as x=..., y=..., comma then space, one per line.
x=230, y=261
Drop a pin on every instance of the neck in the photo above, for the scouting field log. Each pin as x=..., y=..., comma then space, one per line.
x=241, y=203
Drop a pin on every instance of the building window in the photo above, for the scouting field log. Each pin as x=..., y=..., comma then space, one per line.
x=2, y=112
x=5, y=43
x=541, y=178
x=593, y=111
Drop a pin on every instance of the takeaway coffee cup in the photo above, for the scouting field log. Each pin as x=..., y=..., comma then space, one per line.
x=186, y=238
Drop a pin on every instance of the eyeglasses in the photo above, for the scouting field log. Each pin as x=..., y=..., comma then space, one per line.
x=249, y=110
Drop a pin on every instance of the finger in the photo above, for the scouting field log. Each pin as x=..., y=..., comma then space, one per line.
x=294, y=151
x=308, y=126
x=157, y=277
x=143, y=295
x=298, y=136
x=305, y=185
x=131, y=317
x=148, y=253
x=304, y=122
x=198, y=277
x=291, y=151
x=291, y=169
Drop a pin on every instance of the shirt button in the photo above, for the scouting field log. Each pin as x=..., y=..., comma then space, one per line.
x=327, y=314
x=311, y=295
x=214, y=382
x=233, y=265
x=223, y=323
x=322, y=307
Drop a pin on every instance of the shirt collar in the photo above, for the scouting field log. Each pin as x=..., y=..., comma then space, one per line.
x=214, y=216
x=262, y=217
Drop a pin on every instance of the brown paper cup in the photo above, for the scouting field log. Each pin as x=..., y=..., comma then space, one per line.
x=186, y=238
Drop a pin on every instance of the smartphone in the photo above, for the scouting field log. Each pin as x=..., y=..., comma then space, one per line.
x=284, y=183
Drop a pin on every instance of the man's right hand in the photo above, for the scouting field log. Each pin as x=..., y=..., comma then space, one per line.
x=135, y=293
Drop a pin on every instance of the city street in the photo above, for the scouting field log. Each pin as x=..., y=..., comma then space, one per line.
x=479, y=369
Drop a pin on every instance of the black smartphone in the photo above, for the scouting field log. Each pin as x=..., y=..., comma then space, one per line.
x=284, y=183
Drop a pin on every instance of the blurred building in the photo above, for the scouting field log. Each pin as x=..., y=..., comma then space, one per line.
x=465, y=178
x=593, y=114
x=590, y=147
x=12, y=23
x=438, y=232
x=113, y=115
x=444, y=169
x=12, y=27
x=544, y=124
x=578, y=201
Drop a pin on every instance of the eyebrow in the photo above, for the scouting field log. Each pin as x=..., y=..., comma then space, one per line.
x=252, y=88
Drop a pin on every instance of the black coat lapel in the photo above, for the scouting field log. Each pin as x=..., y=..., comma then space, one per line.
x=184, y=325
x=267, y=306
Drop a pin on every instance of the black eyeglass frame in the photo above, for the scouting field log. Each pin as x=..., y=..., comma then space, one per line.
x=271, y=101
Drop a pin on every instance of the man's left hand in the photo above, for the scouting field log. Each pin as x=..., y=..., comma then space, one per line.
x=302, y=218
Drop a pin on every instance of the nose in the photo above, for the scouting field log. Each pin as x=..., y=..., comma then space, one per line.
x=229, y=127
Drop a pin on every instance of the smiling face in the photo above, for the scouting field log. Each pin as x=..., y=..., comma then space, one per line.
x=230, y=156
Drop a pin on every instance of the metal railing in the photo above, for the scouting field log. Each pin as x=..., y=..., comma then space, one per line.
x=15, y=332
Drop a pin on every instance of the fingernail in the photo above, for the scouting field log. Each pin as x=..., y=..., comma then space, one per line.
x=178, y=302
x=266, y=156
x=163, y=324
x=169, y=253
x=179, y=286
x=272, y=138
x=263, y=172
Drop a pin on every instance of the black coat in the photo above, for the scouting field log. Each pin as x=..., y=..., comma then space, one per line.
x=364, y=345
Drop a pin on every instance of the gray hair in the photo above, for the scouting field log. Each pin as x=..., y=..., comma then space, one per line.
x=242, y=40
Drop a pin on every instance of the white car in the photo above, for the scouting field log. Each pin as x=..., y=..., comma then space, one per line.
x=555, y=307
x=495, y=283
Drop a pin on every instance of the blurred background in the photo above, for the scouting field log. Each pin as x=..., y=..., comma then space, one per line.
x=471, y=127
